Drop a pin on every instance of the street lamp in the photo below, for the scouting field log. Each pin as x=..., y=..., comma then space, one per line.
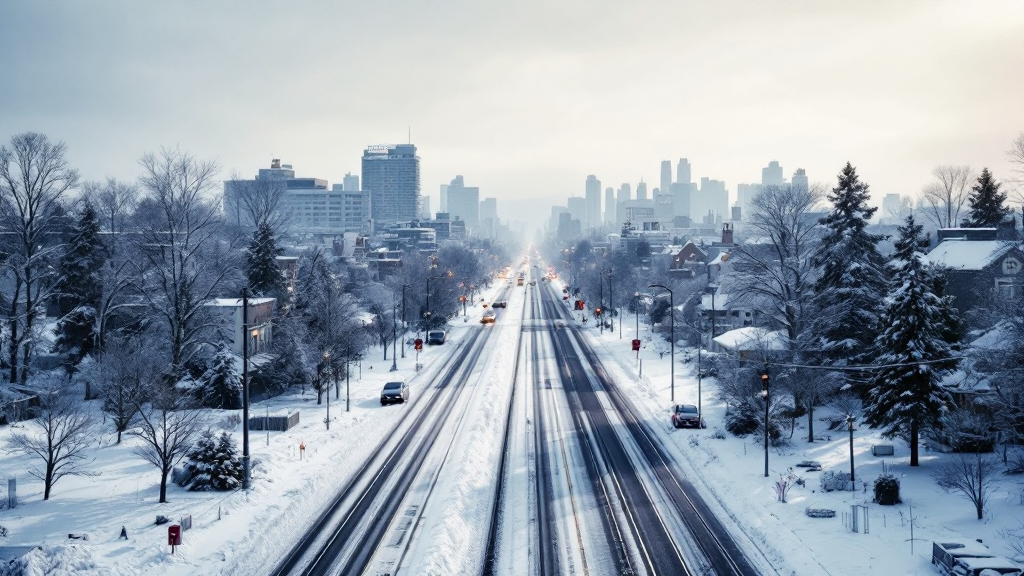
x=404, y=286
x=246, y=468
x=327, y=367
x=611, y=304
x=636, y=312
x=765, y=394
x=672, y=315
x=849, y=423
x=394, y=338
x=426, y=314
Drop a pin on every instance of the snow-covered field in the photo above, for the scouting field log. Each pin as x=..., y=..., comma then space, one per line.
x=247, y=533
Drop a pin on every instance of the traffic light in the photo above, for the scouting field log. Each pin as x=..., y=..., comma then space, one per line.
x=597, y=311
x=418, y=344
x=579, y=304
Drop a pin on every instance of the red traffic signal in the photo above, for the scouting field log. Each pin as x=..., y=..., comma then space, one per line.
x=462, y=298
x=597, y=311
x=579, y=304
x=636, y=345
x=418, y=344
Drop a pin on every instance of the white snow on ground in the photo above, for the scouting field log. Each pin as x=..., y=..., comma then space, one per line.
x=248, y=533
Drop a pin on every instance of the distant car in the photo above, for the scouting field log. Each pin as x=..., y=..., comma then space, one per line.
x=500, y=304
x=533, y=282
x=488, y=317
x=436, y=337
x=394, y=392
x=686, y=416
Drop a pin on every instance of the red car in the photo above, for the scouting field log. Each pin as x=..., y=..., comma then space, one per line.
x=686, y=416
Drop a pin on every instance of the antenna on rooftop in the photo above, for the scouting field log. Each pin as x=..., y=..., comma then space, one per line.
x=410, y=134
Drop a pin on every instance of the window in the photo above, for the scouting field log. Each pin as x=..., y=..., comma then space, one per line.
x=1008, y=288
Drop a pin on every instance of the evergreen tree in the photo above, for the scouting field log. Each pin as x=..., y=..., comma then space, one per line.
x=265, y=278
x=848, y=292
x=213, y=464
x=221, y=384
x=78, y=282
x=987, y=209
x=912, y=349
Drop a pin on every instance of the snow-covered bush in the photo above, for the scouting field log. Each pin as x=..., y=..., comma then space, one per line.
x=745, y=418
x=213, y=464
x=887, y=489
x=835, y=481
x=221, y=386
x=718, y=434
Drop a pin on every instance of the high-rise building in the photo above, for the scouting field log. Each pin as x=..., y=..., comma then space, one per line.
x=424, y=207
x=577, y=209
x=609, y=207
x=488, y=217
x=556, y=212
x=391, y=173
x=464, y=204
x=350, y=183
x=745, y=194
x=683, y=171
x=444, y=197
x=593, y=196
x=666, y=176
x=892, y=209
x=800, y=179
x=772, y=174
x=641, y=190
x=710, y=205
x=682, y=197
x=621, y=198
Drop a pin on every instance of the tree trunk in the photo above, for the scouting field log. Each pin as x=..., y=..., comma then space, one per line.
x=118, y=435
x=13, y=349
x=810, y=421
x=913, y=442
x=48, y=480
x=163, y=484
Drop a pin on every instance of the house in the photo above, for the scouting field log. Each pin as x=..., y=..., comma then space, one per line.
x=980, y=269
x=750, y=343
x=729, y=313
x=227, y=314
x=688, y=261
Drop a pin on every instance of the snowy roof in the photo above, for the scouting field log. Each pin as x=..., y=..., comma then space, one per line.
x=751, y=338
x=968, y=254
x=720, y=303
x=237, y=302
x=722, y=257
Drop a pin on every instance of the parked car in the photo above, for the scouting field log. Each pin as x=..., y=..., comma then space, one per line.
x=500, y=304
x=686, y=416
x=394, y=392
x=991, y=565
x=436, y=337
x=488, y=317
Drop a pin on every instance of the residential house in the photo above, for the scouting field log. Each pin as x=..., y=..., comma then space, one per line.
x=228, y=317
x=980, y=269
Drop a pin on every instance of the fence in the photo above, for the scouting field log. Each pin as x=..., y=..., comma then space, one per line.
x=276, y=423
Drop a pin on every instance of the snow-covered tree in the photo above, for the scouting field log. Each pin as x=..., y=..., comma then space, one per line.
x=78, y=281
x=34, y=177
x=221, y=386
x=852, y=276
x=58, y=436
x=987, y=202
x=167, y=425
x=911, y=350
x=944, y=197
x=265, y=278
x=213, y=464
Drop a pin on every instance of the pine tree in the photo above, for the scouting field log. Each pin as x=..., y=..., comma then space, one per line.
x=213, y=464
x=221, y=385
x=265, y=278
x=78, y=282
x=852, y=282
x=987, y=209
x=913, y=348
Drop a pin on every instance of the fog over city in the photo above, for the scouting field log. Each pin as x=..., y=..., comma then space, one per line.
x=524, y=98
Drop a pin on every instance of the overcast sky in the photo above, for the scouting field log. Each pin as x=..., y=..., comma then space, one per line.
x=524, y=98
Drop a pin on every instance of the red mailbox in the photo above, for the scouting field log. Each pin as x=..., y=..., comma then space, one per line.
x=418, y=344
x=174, y=535
x=636, y=345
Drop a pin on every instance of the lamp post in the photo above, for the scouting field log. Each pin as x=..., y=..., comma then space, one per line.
x=404, y=286
x=849, y=423
x=246, y=470
x=672, y=337
x=766, y=395
x=636, y=312
x=394, y=338
x=611, y=303
x=327, y=366
x=348, y=394
x=426, y=314
x=600, y=300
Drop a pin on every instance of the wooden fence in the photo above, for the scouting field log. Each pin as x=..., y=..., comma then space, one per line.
x=276, y=423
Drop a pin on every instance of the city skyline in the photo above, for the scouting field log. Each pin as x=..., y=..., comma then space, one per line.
x=535, y=107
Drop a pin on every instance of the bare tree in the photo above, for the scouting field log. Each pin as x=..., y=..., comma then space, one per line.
x=257, y=202
x=124, y=370
x=183, y=262
x=59, y=437
x=115, y=200
x=946, y=195
x=167, y=426
x=969, y=475
x=1016, y=156
x=34, y=177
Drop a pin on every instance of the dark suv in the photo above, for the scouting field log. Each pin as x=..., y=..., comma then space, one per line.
x=394, y=392
x=686, y=416
x=436, y=337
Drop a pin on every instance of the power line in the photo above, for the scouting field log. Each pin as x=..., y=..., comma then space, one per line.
x=863, y=367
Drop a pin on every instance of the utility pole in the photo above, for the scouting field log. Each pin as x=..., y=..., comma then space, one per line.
x=247, y=472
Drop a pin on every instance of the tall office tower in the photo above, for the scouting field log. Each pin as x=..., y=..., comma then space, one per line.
x=488, y=217
x=683, y=171
x=350, y=183
x=593, y=196
x=800, y=179
x=464, y=203
x=577, y=209
x=682, y=196
x=772, y=174
x=892, y=208
x=556, y=211
x=423, y=203
x=666, y=176
x=745, y=194
x=391, y=173
x=711, y=205
x=609, y=207
x=641, y=190
x=620, y=201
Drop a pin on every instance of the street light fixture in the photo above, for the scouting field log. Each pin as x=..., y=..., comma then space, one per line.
x=672, y=316
x=849, y=423
x=394, y=338
x=766, y=395
x=426, y=314
x=246, y=468
x=327, y=367
x=404, y=286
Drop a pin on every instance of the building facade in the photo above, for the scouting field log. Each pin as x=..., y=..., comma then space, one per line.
x=391, y=174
